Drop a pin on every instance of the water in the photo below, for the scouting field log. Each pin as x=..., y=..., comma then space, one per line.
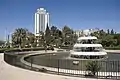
x=64, y=61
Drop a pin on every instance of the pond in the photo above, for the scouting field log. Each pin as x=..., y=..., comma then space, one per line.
x=64, y=61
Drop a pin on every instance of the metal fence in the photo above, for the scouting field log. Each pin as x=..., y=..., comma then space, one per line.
x=109, y=69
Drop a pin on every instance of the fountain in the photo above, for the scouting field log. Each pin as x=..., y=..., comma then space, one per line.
x=88, y=48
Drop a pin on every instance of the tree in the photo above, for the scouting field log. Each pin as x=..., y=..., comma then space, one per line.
x=19, y=37
x=75, y=37
x=99, y=34
x=67, y=35
x=57, y=37
x=109, y=41
x=117, y=37
x=47, y=35
x=53, y=30
x=96, y=34
x=31, y=39
x=2, y=43
x=112, y=31
x=41, y=38
x=93, y=67
x=108, y=31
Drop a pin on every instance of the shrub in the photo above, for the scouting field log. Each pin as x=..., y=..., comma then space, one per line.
x=43, y=70
x=23, y=49
x=113, y=48
x=93, y=67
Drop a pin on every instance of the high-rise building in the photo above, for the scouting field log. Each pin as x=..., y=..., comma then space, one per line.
x=41, y=21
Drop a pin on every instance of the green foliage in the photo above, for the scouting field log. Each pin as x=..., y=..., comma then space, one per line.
x=108, y=39
x=113, y=48
x=69, y=37
x=30, y=39
x=40, y=38
x=23, y=49
x=57, y=38
x=117, y=37
x=54, y=31
x=2, y=50
x=2, y=42
x=112, y=31
x=93, y=67
x=108, y=31
x=19, y=36
x=47, y=35
x=22, y=38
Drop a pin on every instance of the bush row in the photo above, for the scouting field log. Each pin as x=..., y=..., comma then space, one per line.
x=65, y=47
x=20, y=50
x=112, y=48
x=41, y=48
x=2, y=50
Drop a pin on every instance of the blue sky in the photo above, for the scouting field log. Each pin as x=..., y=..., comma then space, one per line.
x=77, y=14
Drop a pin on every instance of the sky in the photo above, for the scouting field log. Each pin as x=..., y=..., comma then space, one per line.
x=77, y=14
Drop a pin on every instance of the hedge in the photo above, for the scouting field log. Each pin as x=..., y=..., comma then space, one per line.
x=112, y=48
x=65, y=47
x=2, y=50
x=20, y=50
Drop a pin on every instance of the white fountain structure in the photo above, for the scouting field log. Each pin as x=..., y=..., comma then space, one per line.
x=87, y=47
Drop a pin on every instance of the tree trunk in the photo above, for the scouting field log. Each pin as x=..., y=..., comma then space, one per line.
x=20, y=46
x=94, y=73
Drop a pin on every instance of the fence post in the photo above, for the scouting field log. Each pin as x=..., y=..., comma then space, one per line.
x=31, y=62
x=118, y=67
x=99, y=66
x=106, y=68
x=58, y=66
x=116, y=70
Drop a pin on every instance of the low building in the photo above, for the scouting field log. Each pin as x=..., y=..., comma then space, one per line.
x=85, y=32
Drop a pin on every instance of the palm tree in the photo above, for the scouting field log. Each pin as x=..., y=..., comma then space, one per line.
x=31, y=39
x=41, y=38
x=93, y=67
x=19, y=37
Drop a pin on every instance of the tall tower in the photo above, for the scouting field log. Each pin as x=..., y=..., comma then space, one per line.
x=41, y=21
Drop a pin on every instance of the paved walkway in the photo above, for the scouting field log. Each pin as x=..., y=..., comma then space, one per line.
x=8, y=72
